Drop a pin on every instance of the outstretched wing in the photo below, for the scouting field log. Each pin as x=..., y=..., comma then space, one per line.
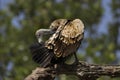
x=68, y=39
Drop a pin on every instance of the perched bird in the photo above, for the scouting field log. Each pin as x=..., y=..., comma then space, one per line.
x=66, y=37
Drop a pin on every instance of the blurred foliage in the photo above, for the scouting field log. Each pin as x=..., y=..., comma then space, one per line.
x=22, y=18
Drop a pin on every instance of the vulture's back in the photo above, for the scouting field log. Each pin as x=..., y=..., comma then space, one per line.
x=67, y=38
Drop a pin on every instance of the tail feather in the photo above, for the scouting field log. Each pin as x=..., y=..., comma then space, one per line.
x=41, y=55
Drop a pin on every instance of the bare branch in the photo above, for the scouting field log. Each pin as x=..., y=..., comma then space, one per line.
x=83, y=70
x=41, y=74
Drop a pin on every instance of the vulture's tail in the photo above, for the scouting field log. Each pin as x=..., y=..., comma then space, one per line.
x=41, y=55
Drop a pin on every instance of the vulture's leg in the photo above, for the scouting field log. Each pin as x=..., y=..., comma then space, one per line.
x=76, y=59
x=41, y=32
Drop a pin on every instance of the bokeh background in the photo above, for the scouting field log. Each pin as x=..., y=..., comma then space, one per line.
x=19, y=19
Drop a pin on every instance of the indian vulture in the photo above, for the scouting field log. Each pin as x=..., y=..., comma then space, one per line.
x=65, y=39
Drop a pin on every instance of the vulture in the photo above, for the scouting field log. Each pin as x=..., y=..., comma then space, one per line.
x=65, y=39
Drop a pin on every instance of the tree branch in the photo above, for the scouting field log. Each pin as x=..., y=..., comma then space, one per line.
x=41, y=74
x=83, y=70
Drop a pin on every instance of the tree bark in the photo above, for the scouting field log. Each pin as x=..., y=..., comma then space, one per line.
x=83, y=70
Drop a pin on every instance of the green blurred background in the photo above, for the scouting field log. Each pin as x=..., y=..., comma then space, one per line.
x=19, y=19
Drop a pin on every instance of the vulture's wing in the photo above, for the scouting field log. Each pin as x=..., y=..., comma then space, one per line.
x=67, y=39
